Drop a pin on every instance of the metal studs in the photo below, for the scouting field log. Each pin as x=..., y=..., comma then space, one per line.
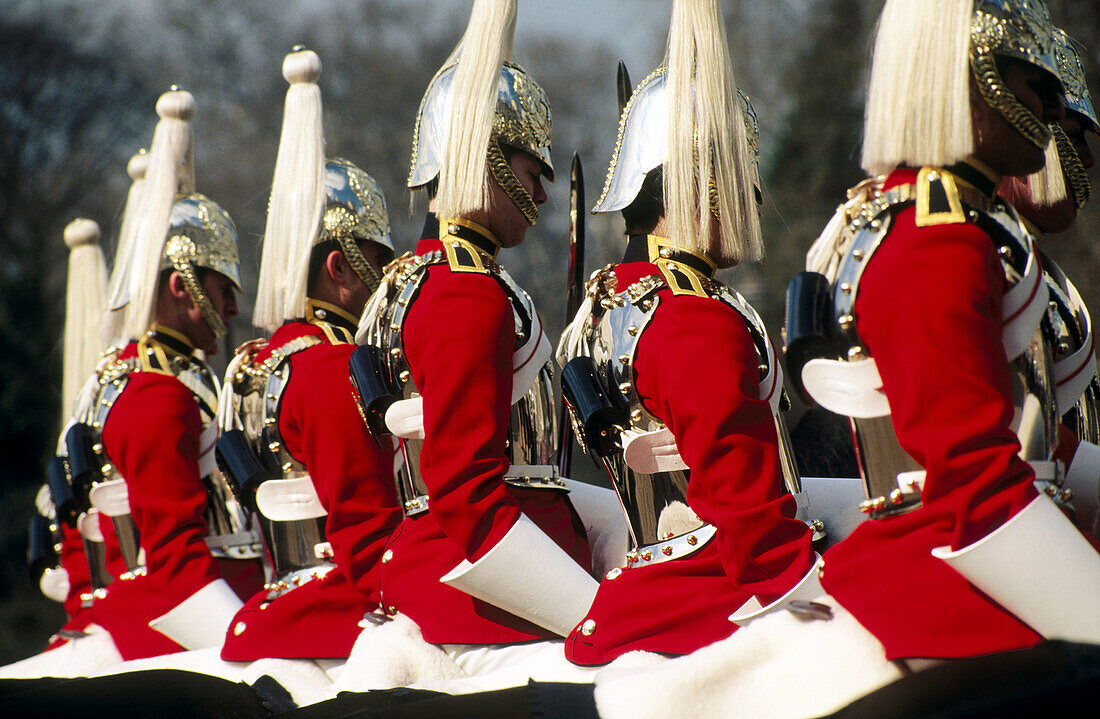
x=632, y=330
x=1004, y=251
x=624, y=387
x=264, y=605
x=624, y=359
x=667, y=550
x=404, y=376
x=452, y=228
x=238, y=629
x=647, y=555
x=857, y=255
x=636, y=415
x=856, y=353
x=613, y=574
x=692, y=540
x=666, y=252
x=846, y=322
x=387, y=556
x=588, y=627
x=846, y=288
x=896, y=496
x=395, y=352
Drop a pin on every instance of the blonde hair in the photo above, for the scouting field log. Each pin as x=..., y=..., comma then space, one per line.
x=171, y=151
x=85, y=297
x=709, y=165
x=918, y=99
x=297, y=197
x=482, y=52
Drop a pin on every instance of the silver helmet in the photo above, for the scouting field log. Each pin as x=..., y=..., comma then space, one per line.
x=642, y=143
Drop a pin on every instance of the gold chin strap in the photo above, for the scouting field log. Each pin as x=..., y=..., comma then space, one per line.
x=358, y=262
x=180, y=250
x=1074, y=170
x=502, y=173
x=984, y=66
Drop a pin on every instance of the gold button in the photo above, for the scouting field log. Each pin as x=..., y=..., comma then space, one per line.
x=238, y=629
x=265, y=605
x=588, y=628
x=387, y=556
x=613, y=573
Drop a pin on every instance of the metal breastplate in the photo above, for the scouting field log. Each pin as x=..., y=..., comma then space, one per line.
x=228, y=532
x=892, y=478
x=1068, y=328
x=661, y=522
x=297, y=549
x=532, y=427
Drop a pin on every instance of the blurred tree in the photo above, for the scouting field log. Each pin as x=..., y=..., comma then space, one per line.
x=56, y=143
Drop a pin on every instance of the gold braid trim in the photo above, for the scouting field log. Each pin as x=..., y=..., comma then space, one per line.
x=502, y=173
x=1076, y=176
x=1001, y=99
x=191, y=282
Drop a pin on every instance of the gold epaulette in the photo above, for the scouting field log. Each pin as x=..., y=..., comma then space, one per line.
x=938, y=199
x=681, y=280
x=463, y=257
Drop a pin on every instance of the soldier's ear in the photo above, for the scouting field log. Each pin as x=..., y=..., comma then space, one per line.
x=176, y=286
x=337, y=267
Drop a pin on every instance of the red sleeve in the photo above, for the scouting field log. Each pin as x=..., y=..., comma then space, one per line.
x=697, y=369
x=352, y=475
x=929, y=311
x=152, y=435
x=459, y=339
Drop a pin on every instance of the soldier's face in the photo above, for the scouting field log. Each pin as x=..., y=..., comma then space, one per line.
x=223, y=296
x=996, y=141
x=1076, y=127
x=506, y=222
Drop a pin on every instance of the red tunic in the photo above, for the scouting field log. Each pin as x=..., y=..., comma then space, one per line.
x=459, y=338
x=929, y=311
x=726, y=435
x=152, y=436
x=321, y=428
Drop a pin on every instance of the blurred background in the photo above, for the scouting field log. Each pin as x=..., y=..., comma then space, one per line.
x=79, y=80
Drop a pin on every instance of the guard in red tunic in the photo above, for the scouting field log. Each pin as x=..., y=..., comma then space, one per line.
x=491, y=550
x=691, y=446
x=182, y=534
x=954, y=560
x=326, y=502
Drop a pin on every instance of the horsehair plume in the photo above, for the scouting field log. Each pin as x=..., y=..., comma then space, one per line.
x=171, y=145
x=485, y=46
x=918, y=98
x=709, y=164
x=118, y=287
x=85, y=297
x=1048, y=186
x=297, y=197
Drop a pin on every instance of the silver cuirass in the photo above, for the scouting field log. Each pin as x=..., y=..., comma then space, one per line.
x=228, y=528
x=532, y=428
x=644, y=466
x=892, y=478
